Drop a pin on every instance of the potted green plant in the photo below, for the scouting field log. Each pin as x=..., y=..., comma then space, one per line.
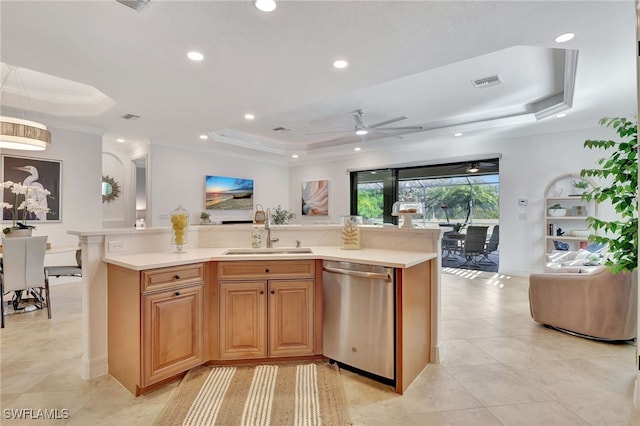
x=33, y=204
x=281, y=216
x=557, y=210
x=619, y=176
x=205, y=217
x=458, y=227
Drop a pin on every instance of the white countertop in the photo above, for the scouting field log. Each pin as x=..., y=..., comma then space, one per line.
x=388, y=258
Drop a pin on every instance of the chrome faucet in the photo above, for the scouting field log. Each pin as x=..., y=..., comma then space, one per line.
x=267, y=226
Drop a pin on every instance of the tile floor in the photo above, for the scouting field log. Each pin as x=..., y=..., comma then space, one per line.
x=498, y=368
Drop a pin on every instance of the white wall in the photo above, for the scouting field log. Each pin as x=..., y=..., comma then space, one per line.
x=80, y=154
x=178, y=177
x=526, y=167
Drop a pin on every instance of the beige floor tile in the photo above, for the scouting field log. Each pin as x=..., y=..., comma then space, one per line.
x=497, y=385
x=461, y=353
x=536, y=414
x=604, y=408
x=471, y=417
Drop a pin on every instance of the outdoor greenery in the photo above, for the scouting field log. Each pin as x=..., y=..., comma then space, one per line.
x=445, y=199
x=619, y=176
x=370, y=203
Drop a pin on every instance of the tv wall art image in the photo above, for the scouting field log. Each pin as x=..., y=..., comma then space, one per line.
x=227, y=193
x=315, y=198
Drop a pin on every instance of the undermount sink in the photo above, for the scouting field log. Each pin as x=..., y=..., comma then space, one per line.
x=276, y=250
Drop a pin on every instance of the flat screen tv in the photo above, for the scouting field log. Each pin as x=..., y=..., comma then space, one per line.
x=228, y=193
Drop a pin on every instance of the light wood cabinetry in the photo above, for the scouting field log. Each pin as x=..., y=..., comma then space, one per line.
x=268, y=309
x=156, y=324
x=566, y=226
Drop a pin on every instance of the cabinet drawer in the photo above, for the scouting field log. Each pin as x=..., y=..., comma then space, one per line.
x=266, y=269
x=161, y=278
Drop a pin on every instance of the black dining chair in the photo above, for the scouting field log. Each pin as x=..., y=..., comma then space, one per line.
x=474, y=244
x=68, y=270
x=491, y=246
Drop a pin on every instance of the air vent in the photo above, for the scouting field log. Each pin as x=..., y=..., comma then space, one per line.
x=494, y=80
x=130, y=117
x=135, y=4
x=281, y=129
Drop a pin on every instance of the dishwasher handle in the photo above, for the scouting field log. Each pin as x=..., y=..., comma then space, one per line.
x=362, y=274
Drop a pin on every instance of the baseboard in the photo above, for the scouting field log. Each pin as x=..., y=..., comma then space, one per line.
x=94, y=368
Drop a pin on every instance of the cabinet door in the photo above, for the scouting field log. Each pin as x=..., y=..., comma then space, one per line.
x=243, y=328
x=172, y=332
x=291, y=317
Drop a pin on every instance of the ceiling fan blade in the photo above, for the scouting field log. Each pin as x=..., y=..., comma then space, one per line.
x=378, y=132
x=399, y=128
x=485, y=164
x=326, y=133
x=382, y=123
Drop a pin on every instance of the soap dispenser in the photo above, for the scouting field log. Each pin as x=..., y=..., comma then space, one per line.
x=256, y=238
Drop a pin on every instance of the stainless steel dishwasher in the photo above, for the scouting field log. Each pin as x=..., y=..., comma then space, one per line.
x=359, y=317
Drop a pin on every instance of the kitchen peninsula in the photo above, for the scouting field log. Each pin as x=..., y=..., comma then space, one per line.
x=148, y=287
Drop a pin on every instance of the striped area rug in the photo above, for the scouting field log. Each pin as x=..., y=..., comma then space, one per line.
x=278, y=394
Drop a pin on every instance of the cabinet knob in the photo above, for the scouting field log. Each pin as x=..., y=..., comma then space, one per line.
x=261, y=291
x=273, y=292
x=176, y=276
x=177, y=293
x=266, y=270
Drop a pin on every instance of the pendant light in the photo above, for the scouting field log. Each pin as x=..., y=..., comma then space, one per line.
x=18, y=133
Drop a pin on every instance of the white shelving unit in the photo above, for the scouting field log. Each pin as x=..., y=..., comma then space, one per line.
x=573, y=226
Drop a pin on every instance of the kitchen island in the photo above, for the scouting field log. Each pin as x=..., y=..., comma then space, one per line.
x=205, y=292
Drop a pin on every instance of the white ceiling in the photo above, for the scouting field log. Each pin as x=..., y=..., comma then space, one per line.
x=407, y=58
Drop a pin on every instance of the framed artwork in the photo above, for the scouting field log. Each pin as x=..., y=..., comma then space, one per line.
x=228, y=193
x=46, y=174
x=315, y=198
x=579, y=210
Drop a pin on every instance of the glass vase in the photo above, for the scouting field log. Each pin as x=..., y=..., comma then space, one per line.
x=179, y=227
x=350, y=234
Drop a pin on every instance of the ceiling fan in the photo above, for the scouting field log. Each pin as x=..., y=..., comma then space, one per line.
x=362, y=128
x=476, y=166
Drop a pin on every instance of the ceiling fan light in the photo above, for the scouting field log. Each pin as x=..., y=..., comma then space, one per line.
x=265, y=5
x=361, y=132
x=473, y=169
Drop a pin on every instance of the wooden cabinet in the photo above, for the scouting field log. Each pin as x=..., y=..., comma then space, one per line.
x=243, y=331
x=171, y=332
x=267, y=309
x=155, y=324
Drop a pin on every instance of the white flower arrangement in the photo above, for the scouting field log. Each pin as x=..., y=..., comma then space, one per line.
x=32, y=203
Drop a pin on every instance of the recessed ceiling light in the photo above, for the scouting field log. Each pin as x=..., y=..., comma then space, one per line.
x=195, y=56
x=562, y=114
x=340, y=63
x=357, y=148
x=121, y=140
x=249, y=116
x=294, y=156
x=204, y=137
x=563, y=38
x=457, y=134
x=265, y=5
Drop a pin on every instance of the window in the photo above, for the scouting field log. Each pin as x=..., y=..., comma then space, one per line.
x=449, y=193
